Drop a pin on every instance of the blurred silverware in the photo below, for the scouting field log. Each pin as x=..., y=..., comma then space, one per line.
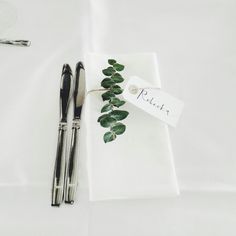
x=71, y=180
x=23, y=43
x=60, y=162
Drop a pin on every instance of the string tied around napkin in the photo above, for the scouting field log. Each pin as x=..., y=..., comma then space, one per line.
x=132, y=89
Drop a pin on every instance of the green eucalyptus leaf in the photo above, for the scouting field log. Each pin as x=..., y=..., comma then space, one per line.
x=116, y=75
x=107, y=121
x=121, y=103
x=107, y=82
x=116, y=89
x=109, y=136
x=109, y=71
x=118, y=67
x=111, y=61
x=118, y=128
x=114, y=100
x=106, y=108
x=102, y=116
x=119, y=114
x=117, y=102
x=107, y=95
x=117, y=78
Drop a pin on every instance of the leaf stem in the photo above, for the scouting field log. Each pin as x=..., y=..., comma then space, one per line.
x=97, y=90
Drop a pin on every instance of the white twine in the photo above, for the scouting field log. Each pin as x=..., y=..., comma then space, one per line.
x=132, y=89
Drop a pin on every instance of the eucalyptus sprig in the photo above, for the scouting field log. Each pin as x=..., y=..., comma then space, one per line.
x=112, y=116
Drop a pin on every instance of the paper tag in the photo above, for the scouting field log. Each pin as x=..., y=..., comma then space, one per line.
x=153, y=100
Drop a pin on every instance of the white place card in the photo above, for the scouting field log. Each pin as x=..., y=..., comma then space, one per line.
x=153, y=100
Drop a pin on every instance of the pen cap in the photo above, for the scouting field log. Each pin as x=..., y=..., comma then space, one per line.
x=65, y=91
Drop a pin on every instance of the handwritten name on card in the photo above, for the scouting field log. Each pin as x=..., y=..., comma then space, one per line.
x=153, y=100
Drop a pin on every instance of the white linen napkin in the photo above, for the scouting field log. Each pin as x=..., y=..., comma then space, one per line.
x=139, y=163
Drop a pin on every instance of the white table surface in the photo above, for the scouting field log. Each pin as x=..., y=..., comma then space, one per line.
x=195, y=43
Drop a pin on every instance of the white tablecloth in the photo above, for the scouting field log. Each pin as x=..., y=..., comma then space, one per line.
x=195, y=43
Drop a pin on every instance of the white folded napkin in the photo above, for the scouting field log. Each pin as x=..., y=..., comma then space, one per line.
x=139, y=163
